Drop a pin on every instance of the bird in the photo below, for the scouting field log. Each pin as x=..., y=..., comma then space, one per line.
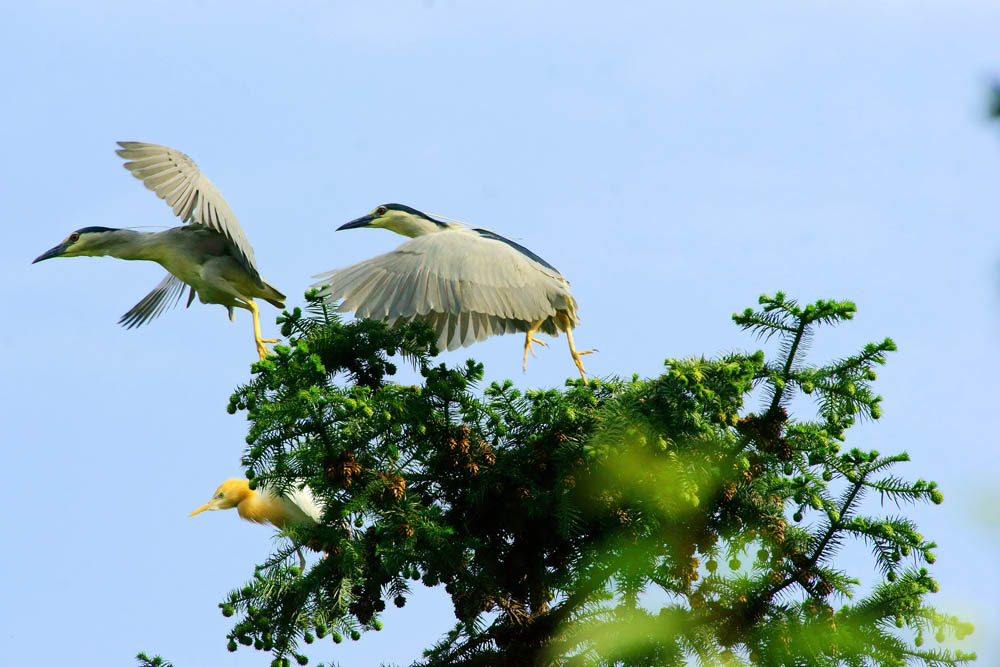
x=264, y=505
x=468, y=283
x=210, y=254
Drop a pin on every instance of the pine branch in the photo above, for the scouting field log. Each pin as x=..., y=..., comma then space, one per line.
x=552, y=517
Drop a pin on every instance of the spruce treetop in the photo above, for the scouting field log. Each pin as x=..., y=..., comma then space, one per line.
x=552, y=518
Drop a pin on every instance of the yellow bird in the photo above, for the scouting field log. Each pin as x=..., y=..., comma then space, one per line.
x=263, y=505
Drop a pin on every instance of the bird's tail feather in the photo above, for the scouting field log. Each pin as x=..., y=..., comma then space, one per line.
x=274, y=297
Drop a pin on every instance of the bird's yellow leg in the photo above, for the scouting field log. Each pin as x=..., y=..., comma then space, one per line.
x=261, y=350
x=529, y=338
x=572, y=348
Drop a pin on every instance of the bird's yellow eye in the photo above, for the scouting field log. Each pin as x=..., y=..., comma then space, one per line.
x=380, y=210
x=74, y=236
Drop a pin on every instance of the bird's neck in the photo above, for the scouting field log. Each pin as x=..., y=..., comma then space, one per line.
x=259, y=508
x=130, y=244
x=414, y=226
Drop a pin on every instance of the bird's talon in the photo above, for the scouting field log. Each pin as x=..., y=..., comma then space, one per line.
x=573, y=352
x=529, y=339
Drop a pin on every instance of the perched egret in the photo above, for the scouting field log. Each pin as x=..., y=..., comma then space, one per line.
x=265, y=506
x=211, y=254
x=468, y=283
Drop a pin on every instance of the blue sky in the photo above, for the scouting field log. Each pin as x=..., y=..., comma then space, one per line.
x=673, y=160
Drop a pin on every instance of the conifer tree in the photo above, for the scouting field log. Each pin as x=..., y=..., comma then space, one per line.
x=552, y=518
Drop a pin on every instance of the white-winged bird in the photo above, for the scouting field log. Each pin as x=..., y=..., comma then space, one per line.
x=210, y=254
x=468, y=283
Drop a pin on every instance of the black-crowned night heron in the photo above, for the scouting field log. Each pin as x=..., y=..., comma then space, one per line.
x=210, y=254
x=468, y=283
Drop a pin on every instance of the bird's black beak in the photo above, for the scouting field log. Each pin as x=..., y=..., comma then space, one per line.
x=54, y=252
x=363, y=221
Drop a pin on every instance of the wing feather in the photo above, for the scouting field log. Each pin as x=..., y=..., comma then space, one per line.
x=403, y=293
x=176, y=179
x=382, y=291
x=306, y=502
x=432, y=297
x=166, y=294
x=450, y=322
x=361, y=286
x=185, y=204
x=367, y=302
x=465, y=329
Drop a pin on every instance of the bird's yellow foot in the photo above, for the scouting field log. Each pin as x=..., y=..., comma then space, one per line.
x=261, y=350
x=579, y=363
x=528, y=340
x=576, y=355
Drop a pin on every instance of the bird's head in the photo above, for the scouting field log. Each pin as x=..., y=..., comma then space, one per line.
x=400, y=219
x=86, y=241
x=229, y=494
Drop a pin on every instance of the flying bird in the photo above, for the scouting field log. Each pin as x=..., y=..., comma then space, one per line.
x=468, y=283
x=210, y=254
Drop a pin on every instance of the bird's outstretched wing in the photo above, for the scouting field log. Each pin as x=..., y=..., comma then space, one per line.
x=163, y=296
x=467, y=285
x=176, y=179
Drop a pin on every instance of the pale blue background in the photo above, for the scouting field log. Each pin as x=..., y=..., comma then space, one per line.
x=674, y=160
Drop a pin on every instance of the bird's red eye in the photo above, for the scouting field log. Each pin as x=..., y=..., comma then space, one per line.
x=380, y=210
x=74, y=236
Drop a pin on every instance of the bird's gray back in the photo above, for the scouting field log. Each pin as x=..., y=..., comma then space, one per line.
x=487, y=234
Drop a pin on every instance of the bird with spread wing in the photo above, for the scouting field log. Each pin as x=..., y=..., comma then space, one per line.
x=210, y=254
x=468, y=283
